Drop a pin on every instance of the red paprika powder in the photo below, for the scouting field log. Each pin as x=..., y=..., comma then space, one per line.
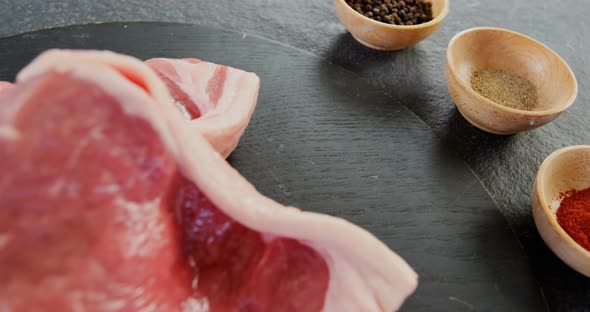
x=574, y=216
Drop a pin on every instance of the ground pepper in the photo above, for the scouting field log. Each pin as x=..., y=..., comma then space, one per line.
x=505, y=87
x=573, y=215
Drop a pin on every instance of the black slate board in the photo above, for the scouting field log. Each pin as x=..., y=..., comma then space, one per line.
x=325, y=140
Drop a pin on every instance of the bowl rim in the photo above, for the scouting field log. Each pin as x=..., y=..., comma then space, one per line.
x=548, y=213
x=432, y=22
x=452, y=68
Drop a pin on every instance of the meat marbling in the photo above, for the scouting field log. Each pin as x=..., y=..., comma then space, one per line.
x=109, y=202
x=218, y=99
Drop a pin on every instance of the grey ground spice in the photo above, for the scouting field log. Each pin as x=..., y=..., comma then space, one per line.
x=505, y=87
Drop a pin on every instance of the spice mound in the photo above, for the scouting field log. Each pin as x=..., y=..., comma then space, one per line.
x=398, y=12
x=505, y=87
x=573, y=216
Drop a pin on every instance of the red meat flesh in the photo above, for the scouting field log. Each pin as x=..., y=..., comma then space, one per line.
x=216, y=84
x=80, y=209
x=94, y=215
x=238, y=269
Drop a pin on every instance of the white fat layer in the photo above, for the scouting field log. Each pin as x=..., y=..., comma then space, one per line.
x=183, y=110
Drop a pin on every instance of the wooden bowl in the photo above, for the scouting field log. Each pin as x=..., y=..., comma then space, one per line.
x=387, y=37
x=479, y=48
x=565, y=169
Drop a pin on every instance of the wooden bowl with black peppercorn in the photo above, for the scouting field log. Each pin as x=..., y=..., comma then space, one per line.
x=563, y=174
x=504, y=82
x=391, y=25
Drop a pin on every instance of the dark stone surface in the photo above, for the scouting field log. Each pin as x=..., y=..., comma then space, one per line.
x=325, y=140
x=505, y=165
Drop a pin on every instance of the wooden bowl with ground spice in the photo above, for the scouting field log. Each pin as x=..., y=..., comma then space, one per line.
x=504, y=82
x=561, y=205
x=391, y=24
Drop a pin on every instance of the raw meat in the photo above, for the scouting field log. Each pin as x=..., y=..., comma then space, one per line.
x=108, y=202
x=4, y=86
x=83, y=226
x=218, y=99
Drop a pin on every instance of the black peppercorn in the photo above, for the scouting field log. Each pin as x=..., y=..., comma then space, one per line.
x=399, y=12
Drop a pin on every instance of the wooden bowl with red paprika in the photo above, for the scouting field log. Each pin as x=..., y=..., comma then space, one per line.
x=561, y=205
